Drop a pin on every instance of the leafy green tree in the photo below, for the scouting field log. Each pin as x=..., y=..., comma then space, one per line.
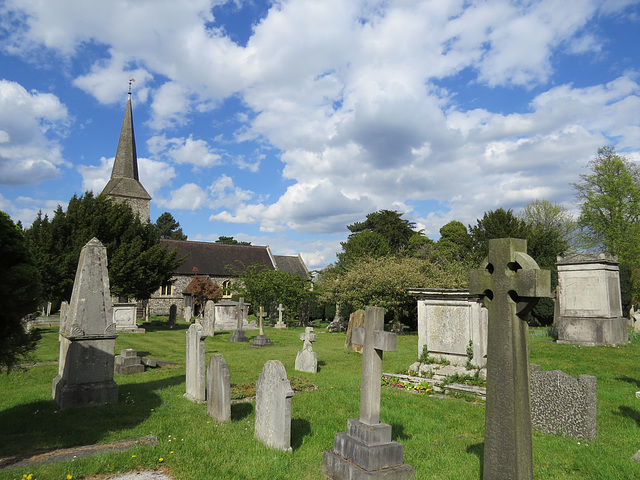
x=261, y=286
x=138, y=264
x=169, y=228
x=455, y=243
x=494, y=224
x=230, y=241
x=390, y=224
x=19, y=293
x=362, y=244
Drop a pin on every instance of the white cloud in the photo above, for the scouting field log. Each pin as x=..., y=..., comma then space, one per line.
x=188, y=197
x=184, y=150
x=30, y=126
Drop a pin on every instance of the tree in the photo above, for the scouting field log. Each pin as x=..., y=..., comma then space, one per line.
x=494, y=224
x=230, y=241
x=261, y=286
x=203, y=289
x=455, y=243
x=390, y=224
x=138, y=264
x=19, y=293
x=169, y=228
x=362, y=244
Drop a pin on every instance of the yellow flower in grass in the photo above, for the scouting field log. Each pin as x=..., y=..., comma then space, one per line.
x=69, y=477
x=161, y=459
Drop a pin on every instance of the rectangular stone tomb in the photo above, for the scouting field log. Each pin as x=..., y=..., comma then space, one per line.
x=124, y=316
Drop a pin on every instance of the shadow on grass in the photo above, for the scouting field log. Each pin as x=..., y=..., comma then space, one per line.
x=628, y=412
x=478, y=450
x=632, y=381
x=398, y=433
x=241, y=410
x=160, y=326
x=299, y=429
x=40, y=425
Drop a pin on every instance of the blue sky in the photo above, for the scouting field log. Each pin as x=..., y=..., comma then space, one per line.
x=282, y=122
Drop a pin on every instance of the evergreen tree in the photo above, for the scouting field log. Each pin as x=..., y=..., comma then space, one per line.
x=169, y=228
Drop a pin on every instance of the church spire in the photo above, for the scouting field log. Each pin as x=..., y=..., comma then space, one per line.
x=124, y=184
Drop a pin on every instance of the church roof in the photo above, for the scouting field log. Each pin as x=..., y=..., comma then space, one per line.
x=124, y=180
x=292, y=264
x=213, y=258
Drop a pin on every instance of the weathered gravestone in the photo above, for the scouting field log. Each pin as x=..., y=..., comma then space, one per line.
x=195, y=380
x=273, y=407
x=173, y=313
x=87, y=336
x=128, y=362
x=226, y=316
x=218, y=389
x=208, y=319
x=238, y=335
x=307, y=359
x=273, y=313
x=510, y=284
x=356, y=319
x=338, y=324
x=124, y=316
x=366, y=450
x=188, y=314
x=563, y=404
x=261, y=339
x=280, y=324
x=304, y=312
x=589, y=306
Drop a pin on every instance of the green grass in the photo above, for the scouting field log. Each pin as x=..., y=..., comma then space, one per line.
x=443, y=438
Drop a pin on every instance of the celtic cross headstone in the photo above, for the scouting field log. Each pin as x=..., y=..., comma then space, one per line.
x=510, y=283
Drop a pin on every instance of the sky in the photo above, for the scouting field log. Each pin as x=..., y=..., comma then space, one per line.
x=282, y=122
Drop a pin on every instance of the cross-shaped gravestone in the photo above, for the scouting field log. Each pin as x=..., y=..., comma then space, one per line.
x=261, y=320
x=308, y=336
x=374, y=340
x=510, y=284
x=280, y=323
x=239, y=335
x=261, y=340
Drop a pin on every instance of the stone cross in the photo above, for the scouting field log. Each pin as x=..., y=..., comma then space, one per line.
x=261, y=320
x=375, y=341
x=308, y=336
x=239, y=335
x=280, y=310
x=510, y=284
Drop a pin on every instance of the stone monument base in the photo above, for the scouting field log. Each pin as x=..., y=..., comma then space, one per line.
x=262, y=341
x=238, y=337
x=592, y=331
x=280, y=325
x=129, y=329
x=366, y=452
x=84, y=394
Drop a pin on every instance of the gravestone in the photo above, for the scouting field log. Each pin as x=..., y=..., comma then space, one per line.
x=563, y=404
x=307, y=359
x=366, y=450
x=226, y=316
x=218, y=389
x=273, y=407
x=195, y=381
x=188, y=314
x=87, y=336
x=452, y=324
x=338, y=324
x=48, y=311
x=124, y=316
x=281, y=325
x=238, y=335
x=356, y=319
x=589, y=310
x=208, y=319
x=273, y=313
x=128, y=362
x=261, y=340
x=173, y=313
x=510, y=284
x=304, y=312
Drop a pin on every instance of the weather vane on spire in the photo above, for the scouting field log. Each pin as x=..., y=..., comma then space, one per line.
x=131, y=80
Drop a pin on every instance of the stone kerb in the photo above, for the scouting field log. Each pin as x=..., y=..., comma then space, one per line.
x=195, y=356
x=450, y=322
x=563, y=404
x=218, y=389
x=589, y=306
x=273, y=407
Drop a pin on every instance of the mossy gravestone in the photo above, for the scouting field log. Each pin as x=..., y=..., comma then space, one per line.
x=510, y=283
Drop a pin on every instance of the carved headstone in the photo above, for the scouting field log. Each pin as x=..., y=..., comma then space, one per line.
x=87, y=336
x=510, y=284
x=281, y=325
x=188, y=314
x=273, y=407
x=307, y=359
x=261, y=340
x=356, y=319
x=366, y=450
x=173, y=313
x=208, y=319
x=218, y=389
x=195, y=381
x=338, y=324
x=238, y=335
x=273, y=313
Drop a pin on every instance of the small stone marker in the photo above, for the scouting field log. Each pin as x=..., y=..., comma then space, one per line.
x=87, y=336
x=238, y=334
x=356, y=319
x=280, y=324
x=195, y=364
x=261, y=340
x=366, y=450
x=273, y=407
x=218, y=389
x=188, y=314
x=510, y=284
x=128, y=363
x=307, y=359
x=208, y=320
x=173, y=313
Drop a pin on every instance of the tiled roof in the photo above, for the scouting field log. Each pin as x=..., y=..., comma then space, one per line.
x=292, y=264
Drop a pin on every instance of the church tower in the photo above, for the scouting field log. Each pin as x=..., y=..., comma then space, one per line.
x=124, y=185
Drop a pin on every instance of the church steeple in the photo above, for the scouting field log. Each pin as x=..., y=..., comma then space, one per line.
x=124, y=184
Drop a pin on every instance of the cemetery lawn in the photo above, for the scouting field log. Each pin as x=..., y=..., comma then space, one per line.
x=442, y=437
